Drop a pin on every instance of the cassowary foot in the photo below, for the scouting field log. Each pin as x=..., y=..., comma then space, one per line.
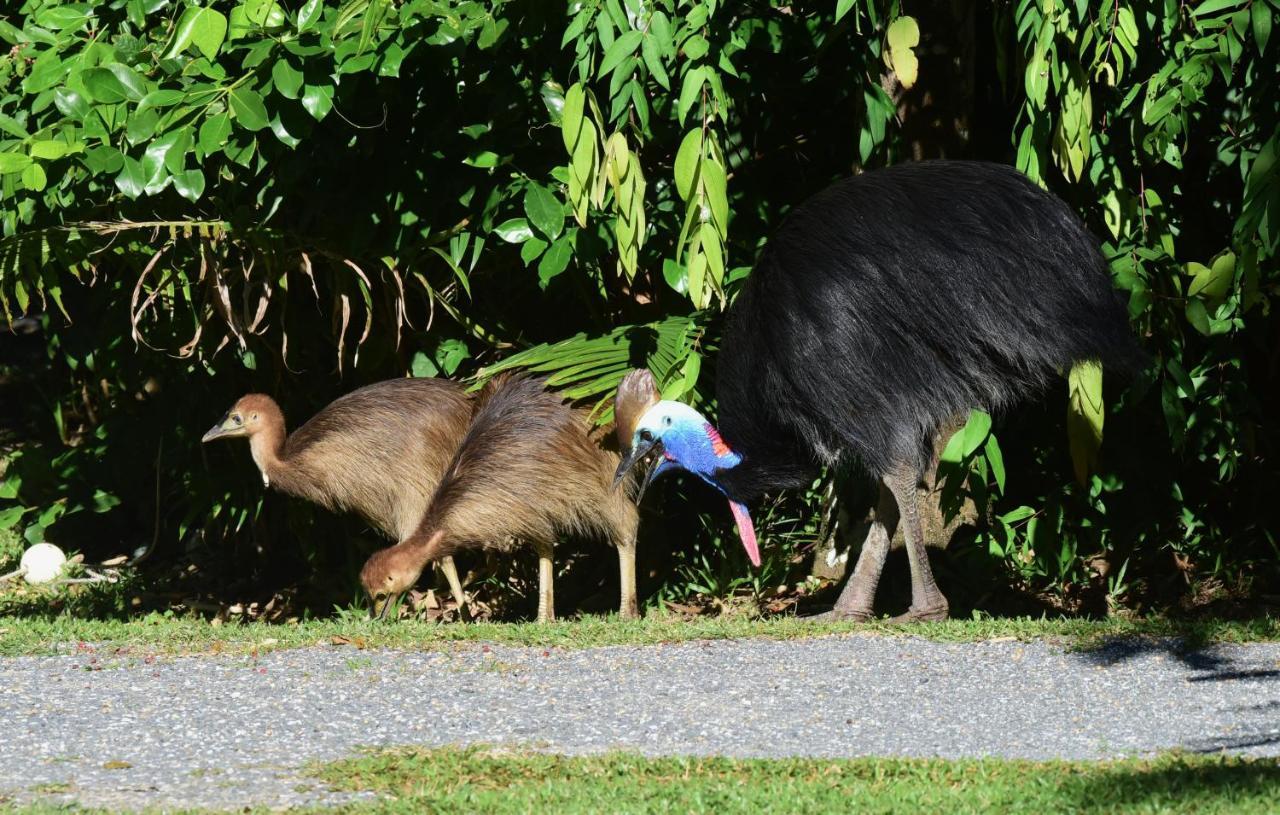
x=920, y=615
x=840, y=615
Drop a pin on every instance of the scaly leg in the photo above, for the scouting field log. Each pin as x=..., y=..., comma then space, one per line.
x=546, y=590
x=628, y=609
x=455, y=585
x=927, y=602
x=857, y=600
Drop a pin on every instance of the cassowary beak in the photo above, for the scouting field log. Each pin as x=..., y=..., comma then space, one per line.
x=224, y=428
x=638, y=452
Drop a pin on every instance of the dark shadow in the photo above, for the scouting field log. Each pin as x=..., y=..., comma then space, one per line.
x=1177, y=784
x=1190, y=649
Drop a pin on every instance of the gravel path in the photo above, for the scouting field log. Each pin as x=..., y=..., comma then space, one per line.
x=222, y=731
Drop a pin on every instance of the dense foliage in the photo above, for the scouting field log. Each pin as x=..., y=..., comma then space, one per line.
x=204, y=198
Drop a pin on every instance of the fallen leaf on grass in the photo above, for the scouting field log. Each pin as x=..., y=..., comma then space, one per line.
x=358, y=642
x=116, y=765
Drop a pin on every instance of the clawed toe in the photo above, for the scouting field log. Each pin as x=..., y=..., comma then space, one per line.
x=919, y=615
x=837, y=615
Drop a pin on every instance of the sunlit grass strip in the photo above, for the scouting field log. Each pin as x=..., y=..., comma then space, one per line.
x=192, y=635
x=478, y=780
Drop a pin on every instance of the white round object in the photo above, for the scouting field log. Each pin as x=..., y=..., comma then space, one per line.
x=42, y=563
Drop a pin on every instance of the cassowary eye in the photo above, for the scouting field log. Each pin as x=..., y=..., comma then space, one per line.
x=646, y=435
x=237, y=419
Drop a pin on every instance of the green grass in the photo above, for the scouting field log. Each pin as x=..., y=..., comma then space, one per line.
x=475, y=780
x=166, y=634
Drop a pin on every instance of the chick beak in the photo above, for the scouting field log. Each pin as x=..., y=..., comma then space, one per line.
x=222, y=428
x=381, y=605
x=638, y=452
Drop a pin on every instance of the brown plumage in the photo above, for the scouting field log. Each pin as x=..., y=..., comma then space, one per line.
x=379, y=451
x=530, y=469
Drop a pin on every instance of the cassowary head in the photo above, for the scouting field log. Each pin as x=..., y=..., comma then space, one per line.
x=673, y=435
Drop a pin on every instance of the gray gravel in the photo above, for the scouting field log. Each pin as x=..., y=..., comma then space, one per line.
x=221, y=731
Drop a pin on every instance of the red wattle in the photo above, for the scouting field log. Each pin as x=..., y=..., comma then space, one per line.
x=746, y=531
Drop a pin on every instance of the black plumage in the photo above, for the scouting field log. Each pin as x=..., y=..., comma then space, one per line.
x=897, y=299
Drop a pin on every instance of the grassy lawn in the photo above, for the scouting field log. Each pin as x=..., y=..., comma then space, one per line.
x=165, y=634
x=473, y=780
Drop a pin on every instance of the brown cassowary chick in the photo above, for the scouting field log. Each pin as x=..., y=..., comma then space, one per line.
x=529, y=470
x=379, y=451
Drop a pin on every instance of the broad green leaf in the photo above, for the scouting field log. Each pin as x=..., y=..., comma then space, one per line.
x=715, y=183
x=309, y=13
x=842, y=8
x=903, y=35
x=710, y=243
x=214, y=132
x=1213, y=283
x=287, y=79
x=47, y=71
x=189, y=184
x=247, y=106
x=34, y=178
x=515, y=230
x=676, y=275
x=697, y=279
x=571, y=122
x=1211, y=6
x=1086, y=412
x=204, y=28
x=544, y=210
x=70, y=104
x=653, y=61
x=114, y=83
x=1262, y=22
x=1198, y=316
x=531, y=249
x=318, y=100
x=621, y=48
x=49, y=149
x=131, y=179
x=555, y=261
x=996, y=458
x=14, y=162
x=974, y=433
x=690, y=90
x=688, y=158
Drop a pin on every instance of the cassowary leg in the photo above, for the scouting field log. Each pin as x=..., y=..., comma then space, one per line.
x=455, y=585
x=927, y=602
x=628, y=609
x=546, y=590
x=858, y=598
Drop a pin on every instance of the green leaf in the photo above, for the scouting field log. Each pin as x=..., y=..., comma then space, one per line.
x=690, y=90
x=308, y=14
x=544, y=210
x=710, y=242
x=287, y=79
x=716, y=183
x=33, y=178
x=423, y=366
x=676, y=275
x=903, y=35
x=842, y=8
x=531, y=249
x=189, y=184
x=555, y=261
x=1262, y=20
x=621, y=48
x=653, y=61
x=13, y=163
x=114, y=83
x=515, y=230
x=214, y=132
x=318, y=100
x=70, y=104
x=1198, y=316
x=688, y=158
x=1086, y=412
x=247, y=106
x=1211, y=6
x=202, y=27
x=996, y=459
x=571, y=121
x=974, y=432
x=49, y=149
x=131, y=179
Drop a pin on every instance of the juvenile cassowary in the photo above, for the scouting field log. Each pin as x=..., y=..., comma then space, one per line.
x=379, y=451
x=529, y=470
x=883, y=307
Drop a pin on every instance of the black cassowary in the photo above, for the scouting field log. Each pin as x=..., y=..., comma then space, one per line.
x=885, y=306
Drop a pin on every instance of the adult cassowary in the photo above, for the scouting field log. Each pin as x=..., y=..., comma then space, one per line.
x=884, y=306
